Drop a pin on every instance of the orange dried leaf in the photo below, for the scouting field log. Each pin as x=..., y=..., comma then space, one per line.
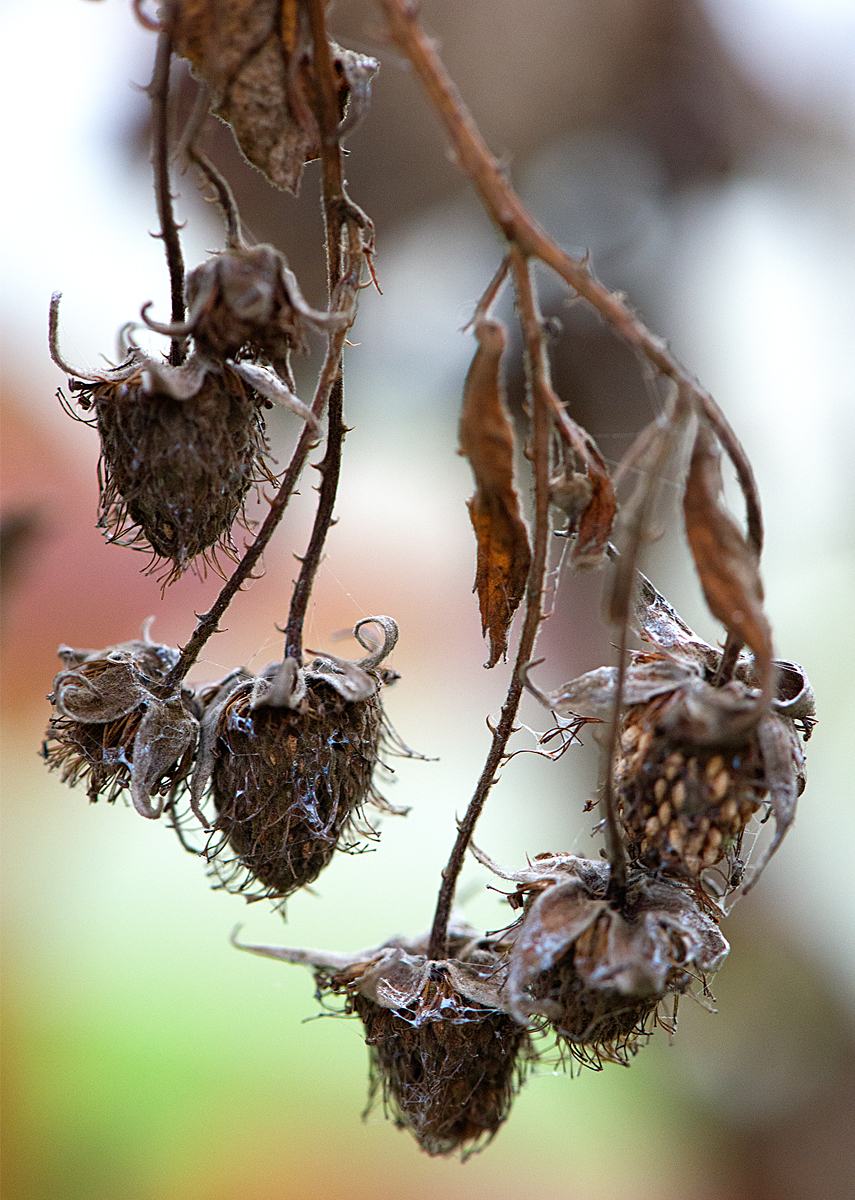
x=727, y=566
x=487, y=440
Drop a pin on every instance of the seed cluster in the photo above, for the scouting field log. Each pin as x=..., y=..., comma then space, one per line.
x=683, y=806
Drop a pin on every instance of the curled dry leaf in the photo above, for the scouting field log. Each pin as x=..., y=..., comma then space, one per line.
x=597, y=972
x=111, y=727
x=585, y=497
x=487, y=440
x=255, y=56
x=695, y=759
x=446, y=1057
x=727, y=565
x=289, y=756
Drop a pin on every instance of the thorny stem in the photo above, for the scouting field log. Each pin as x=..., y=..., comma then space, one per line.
x=330, y=468
x=208, y=622
x=158, y=91
x=326, y=111
x=519, y=227
x=537, y=377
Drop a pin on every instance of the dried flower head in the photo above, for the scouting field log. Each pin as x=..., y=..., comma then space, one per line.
x=257, y=61
x=113, y=727
x=595, y=971
x=696, y=758
x=289, y=756
x=247, y=301
x=445, y=1056
x=180, y=446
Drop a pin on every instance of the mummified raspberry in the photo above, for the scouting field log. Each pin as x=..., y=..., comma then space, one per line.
x=289, y=757
x=447, y=1068
x=697, y=756
x=597, y=970
x=110, y=727
x=446, y=1057
x=683, y=805
x=175, y=470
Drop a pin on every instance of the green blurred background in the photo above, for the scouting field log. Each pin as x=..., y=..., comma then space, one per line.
x=704, y=153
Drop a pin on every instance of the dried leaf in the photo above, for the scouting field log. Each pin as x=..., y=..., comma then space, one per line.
x=487, y=440
x=255, y=56
x=727, y=566
x=593, y=526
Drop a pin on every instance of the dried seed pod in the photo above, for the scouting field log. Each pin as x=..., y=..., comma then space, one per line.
x=597, y=972
x=289, y=756
x=180, y=446
x=247, y=301
x=446, y=1057
x=112, y=727
x=695, y=759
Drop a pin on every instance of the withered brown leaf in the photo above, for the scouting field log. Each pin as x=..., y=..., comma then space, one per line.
x=727, y=566
x=593, y=527
x=255, y=57
x=487, y=440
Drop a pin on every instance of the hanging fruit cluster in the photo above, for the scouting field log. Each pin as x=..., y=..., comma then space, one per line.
x=275, y=768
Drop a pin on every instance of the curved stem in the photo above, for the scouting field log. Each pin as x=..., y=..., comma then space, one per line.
x=158, y=91
x=538, y=385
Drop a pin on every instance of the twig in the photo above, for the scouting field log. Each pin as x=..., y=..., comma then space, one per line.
x=537, y=379
x=158, y=91
x=208, y=622
x=330, y=468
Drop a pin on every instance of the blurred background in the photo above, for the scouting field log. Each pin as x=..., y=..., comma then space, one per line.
x=703, y=151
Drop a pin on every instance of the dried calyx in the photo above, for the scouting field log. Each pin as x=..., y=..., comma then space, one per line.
x=113, y=726
x=595, y=972
x=247, y=302
x=696, y=758
x=446, y=1057
x=288, y=757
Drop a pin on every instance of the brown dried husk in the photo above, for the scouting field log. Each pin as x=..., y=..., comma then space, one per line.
x=594, y=1025
x=175, y=473
x=287, y=785
x=684, y=806
x=448, y=1068
x=102, y=753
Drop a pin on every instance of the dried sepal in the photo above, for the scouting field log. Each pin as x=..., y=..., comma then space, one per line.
x=257, y=61
x=113, y=727
x=446, y=1058
x=696, y=759
x=597, y=972
x=247, y=302
x=288, y=757
x=487, y=440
